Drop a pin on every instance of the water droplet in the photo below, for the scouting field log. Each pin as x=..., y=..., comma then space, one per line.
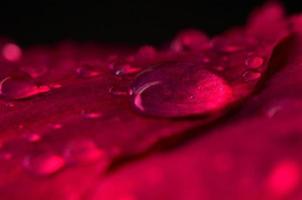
x=120, y=91
x=284, y=178
x=87, y=71
x=93, y=115
x=146, y=53
x=179, y=89
x=20, y=89
x=83, y=151
x=11, y=52
x=251, y=75
x=57, y=126
x=55, y=85
x=43, y=163
x=189, y=40
x=254, y=61
x=33, y=137
x=127, y=69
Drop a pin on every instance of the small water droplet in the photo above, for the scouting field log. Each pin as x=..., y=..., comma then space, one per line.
x=189, y=40
x=20, y=89
x=57, y=126
x=146, y=53
x=93, y=115
x=55, y=85
x=251, y=75
x=179, y=89
x=43, y=163
x=11, y=52
x=120, y=91
x=254, y=61
x=87, y=71
x=33, y=137
x=83, y=151
x=127, y=69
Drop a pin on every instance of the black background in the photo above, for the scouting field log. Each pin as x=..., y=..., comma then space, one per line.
x=121, y=21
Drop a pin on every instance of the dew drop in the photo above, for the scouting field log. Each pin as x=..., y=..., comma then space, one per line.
x=254, y=61
x=146, y=53
x=189, y=40
x=178, y=90
x=20, y=89
x=33, y=137
x=127, y=69
x=83, y=151
x=11, y=52
x=43, y=163
x=93, y=115
x=87, y=71
x=55, y=85
x=251, y=75
x=57, y=126
x=120, y=91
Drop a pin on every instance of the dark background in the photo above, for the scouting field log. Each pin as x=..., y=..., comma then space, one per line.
x=121, y=21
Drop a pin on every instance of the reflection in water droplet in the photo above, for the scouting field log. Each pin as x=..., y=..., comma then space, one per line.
x=179, y=89
x=11, y=52
x=83, y=151
x=254, y=61
x=20, y=89
x=251, y=75
x=87, y=71
x=120, y=91
x=43, y=163
x=284, y=178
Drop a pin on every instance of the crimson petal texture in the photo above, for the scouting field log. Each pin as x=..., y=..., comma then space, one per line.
x=67, y=116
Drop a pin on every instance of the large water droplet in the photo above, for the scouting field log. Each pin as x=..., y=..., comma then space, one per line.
x=83, y=151
x=20, y=89
x=43, y=163
x=179, y=89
